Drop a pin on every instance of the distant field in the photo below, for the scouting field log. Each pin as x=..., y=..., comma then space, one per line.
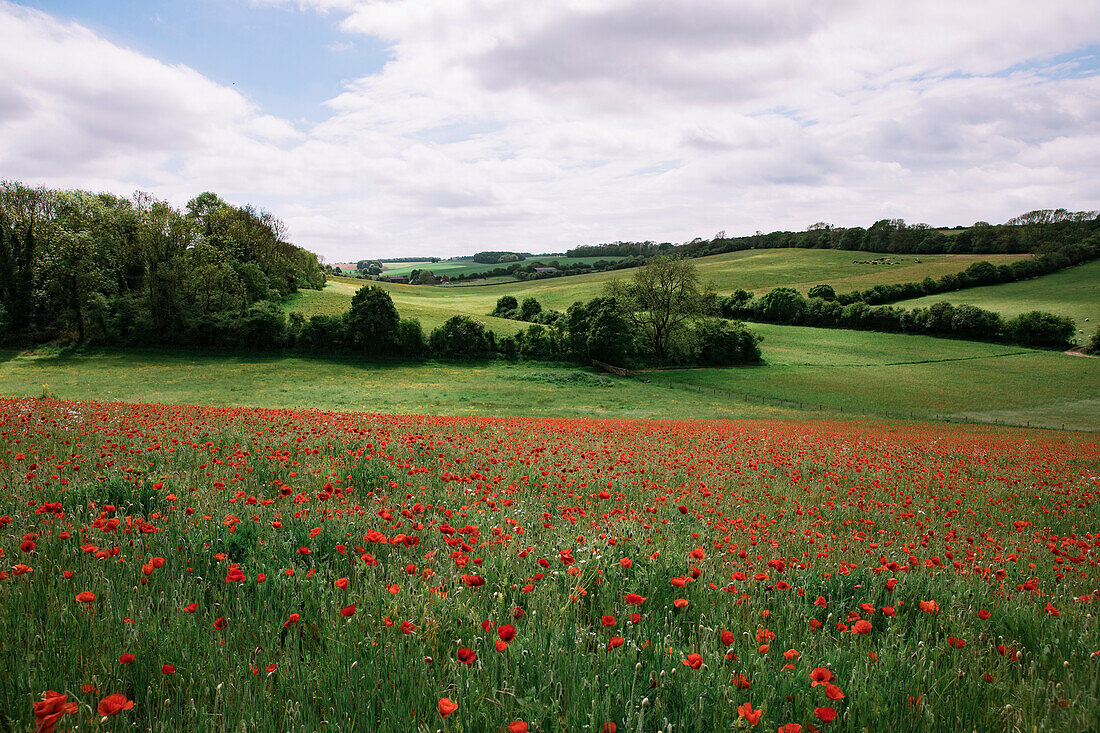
x=840, y=370
x=925, y=376
x=1074, y=292
x=756, y=270
x=469, y=267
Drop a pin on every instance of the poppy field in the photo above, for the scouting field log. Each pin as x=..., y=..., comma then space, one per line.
x=190, y=568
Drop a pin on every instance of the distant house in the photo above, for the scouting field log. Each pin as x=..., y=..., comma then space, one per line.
x=545, y=270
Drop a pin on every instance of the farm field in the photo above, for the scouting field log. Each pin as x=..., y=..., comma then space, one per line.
x=914, y=375
x=754, y=270
x=830, y=371
x=1074, y=292
x=467, y=267
x=179, y=569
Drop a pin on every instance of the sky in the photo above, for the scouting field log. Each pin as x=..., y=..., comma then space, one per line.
x=388, y=128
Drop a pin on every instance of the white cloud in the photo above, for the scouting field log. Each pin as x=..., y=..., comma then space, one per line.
x=533, y=125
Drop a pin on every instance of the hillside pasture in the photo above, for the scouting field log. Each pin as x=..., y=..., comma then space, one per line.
x=754, y=270
x=1074, y=292
x=864, y=373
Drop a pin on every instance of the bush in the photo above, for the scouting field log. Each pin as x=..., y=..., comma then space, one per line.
x=463, y=337
x=782, y=305
x=1093, y=346
x=372, y=321
x=724, y=343
x=823, y=291
x=505, y=305
x=1042, y=330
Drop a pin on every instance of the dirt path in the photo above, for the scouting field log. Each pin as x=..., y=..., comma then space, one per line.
x=1076, y=351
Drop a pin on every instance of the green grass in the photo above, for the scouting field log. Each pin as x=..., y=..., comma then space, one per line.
x=469, y=267
x=218, y=379
x=1074, y=292
x=915, y=375
x=831, y=372
x=756, y=270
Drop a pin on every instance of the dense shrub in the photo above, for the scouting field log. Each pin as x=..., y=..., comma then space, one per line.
x=1043, y=330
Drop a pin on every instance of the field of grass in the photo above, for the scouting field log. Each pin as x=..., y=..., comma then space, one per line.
x=917, y=375
x=1074, y=292
x=756, y=270
x=453, y=268
x=488, y=388
x=199, y=569
x=832, y=372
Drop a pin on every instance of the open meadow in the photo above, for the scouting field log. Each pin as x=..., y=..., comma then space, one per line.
x=807, y=372
x=177, y=569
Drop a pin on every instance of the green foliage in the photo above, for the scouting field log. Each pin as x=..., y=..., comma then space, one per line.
x=824, y=292
x=529, y=309
x=782, y=305
x=506, y=305
x=98, y=268
x=725, y=343
x=463, y=337
x=1043, y=330
x=371, y=324
x=568, y=379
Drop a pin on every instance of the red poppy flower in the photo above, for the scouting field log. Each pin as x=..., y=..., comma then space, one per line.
x=292, y=619
x=634, y=599
x=446, y=707
x=407, y=627
x=125, y=658
x=695, y=661
x=833, y=692
x=615, y=642
x=727, y=637
x=517, y=726
x=507, y=632
x=113, y=704
x=341, y=583
x=790, y=728
x=752, y=717
x=984, y=614
x=168, y=669
x=85, y=596
x=466, y=656
x=825, y=715
x=348, y=611
x=820, y=676
x=607, y=620
x=929, y=606
x=741, y=682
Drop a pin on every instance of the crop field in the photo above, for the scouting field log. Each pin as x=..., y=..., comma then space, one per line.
x=754, y=270
x=1074, y=292
x=177, y=569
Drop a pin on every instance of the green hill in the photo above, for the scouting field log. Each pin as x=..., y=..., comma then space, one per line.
x=756, y=270
x=1074, y=292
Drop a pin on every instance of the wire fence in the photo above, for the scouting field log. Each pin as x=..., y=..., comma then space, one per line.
x=660, y=378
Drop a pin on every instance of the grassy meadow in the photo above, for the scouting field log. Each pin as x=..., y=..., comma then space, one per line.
x=754, y=270
x=831, y=371
x=1074, y=292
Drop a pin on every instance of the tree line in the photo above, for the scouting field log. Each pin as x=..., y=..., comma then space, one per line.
x=134, y=271
x=658, y=318
x=787, y=306
x=1051, y=258
x=1031, y=232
